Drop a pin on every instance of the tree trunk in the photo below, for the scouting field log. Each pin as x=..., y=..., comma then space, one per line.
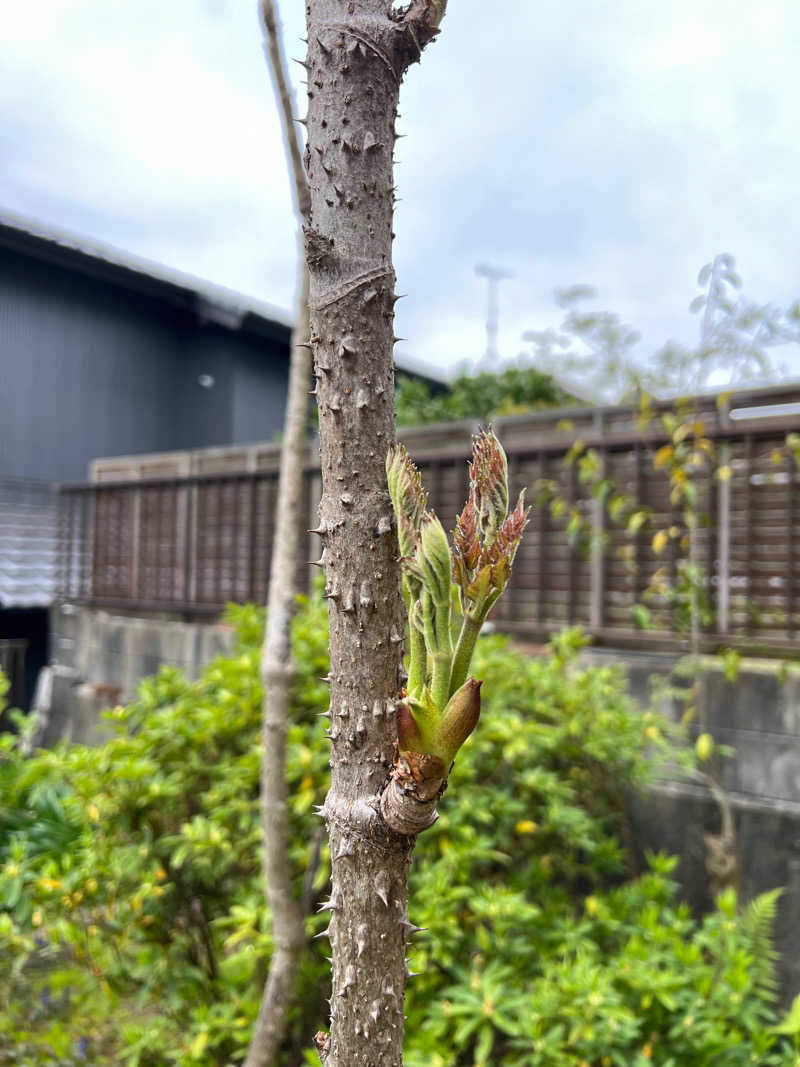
x=358, y=51
x=277, y=662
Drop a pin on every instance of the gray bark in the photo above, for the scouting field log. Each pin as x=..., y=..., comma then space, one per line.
x=277, y=662
x=357, y=55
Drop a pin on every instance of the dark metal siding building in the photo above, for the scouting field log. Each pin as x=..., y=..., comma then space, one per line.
x=103, y=355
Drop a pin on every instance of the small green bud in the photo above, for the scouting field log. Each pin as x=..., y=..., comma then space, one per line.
x=458, y=720
x=704, y=747
x=417, y=718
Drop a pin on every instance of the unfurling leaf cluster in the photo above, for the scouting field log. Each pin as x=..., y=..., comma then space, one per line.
x=449, y=592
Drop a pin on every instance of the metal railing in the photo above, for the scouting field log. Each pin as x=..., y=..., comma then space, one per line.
x=190, y=544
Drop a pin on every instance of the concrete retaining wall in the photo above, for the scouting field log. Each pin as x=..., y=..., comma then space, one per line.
x=758, y=715
x=100, y=658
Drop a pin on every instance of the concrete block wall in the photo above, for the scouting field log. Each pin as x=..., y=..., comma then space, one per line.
x=99, y=659
x=673, y=818
x=120, y=650
x=758, y=716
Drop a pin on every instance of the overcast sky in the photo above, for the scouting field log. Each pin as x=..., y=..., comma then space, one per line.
x=619, y=144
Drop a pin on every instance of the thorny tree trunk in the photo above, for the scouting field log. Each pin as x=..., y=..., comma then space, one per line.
x=277, y=663
x=358, y=51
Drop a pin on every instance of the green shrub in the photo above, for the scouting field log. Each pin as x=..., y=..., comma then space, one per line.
x=483, y=395
x=133, y=931
x=540, y=953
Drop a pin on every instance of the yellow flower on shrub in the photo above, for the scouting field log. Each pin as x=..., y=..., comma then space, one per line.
x=48, y=884
x=526, y=826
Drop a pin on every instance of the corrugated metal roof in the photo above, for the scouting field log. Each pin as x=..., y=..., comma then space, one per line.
x=28, y=544
x=213, y=302
x=210, y=302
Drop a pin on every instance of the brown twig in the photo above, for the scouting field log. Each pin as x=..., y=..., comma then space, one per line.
x=277, y=663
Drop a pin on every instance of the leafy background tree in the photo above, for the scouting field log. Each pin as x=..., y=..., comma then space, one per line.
x=479, y=394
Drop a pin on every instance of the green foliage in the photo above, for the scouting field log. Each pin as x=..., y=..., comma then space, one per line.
x=758, y=921
x=554, y=961
x=731, y=661
x=637, y=982
x=132, y=929
x=483, y=396
x=791, y=1024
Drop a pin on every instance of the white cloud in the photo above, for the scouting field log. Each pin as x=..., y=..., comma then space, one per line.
x=621, y=144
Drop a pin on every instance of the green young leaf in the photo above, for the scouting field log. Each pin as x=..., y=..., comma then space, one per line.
x=408, y=497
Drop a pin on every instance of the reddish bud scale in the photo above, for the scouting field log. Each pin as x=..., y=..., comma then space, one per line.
x=409, y=738
x=466, y=535
x=510, y=533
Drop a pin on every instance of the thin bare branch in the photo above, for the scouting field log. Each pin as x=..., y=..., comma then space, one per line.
x=276, y=60
x=277, y=663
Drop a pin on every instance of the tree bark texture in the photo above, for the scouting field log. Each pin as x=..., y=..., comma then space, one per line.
x=277, y=662
x=358, y=51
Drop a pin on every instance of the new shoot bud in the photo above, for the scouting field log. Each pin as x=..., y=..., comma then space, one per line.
x=442, y=707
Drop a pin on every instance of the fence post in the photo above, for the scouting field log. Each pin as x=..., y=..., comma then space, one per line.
x=541, y=562
x=748, y=532
x=189, y=571
x=511, y=610
x=790, y=545
x=597, y=568
x=572, y=551
x=66, y=503
x=136, y=542
x=724, y=541
x=94, y=557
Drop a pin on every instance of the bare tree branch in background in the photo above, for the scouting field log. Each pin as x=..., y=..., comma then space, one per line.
x=595, y=352
x=277, y=662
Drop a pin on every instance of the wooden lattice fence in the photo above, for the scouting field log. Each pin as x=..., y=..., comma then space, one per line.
x=186, y=533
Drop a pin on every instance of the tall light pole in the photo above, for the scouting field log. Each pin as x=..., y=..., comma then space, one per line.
x=493, y=276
